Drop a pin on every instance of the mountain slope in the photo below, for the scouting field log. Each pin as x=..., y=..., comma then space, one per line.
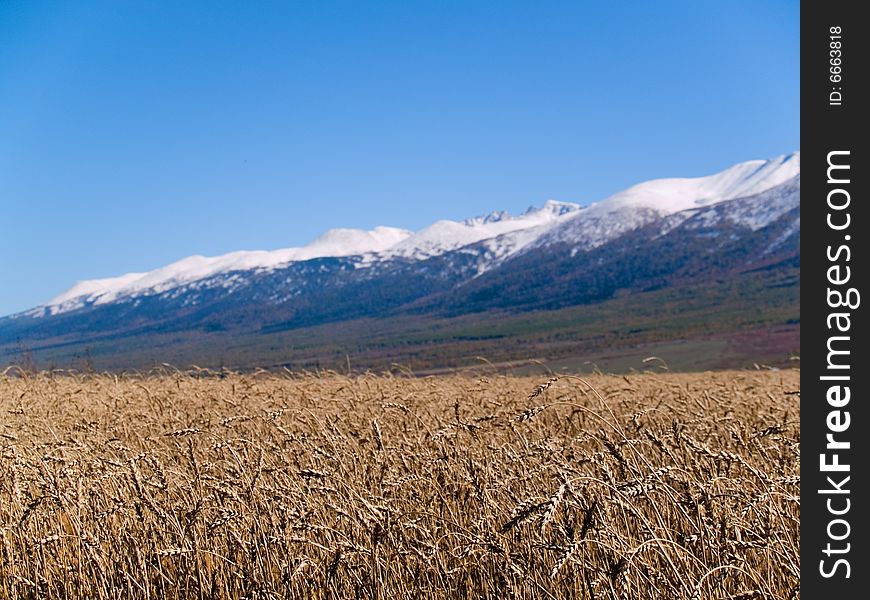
x=666, y=234
x=698, y=244
x=584, y=228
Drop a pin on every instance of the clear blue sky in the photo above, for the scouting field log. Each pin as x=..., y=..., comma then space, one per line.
x=135, y=133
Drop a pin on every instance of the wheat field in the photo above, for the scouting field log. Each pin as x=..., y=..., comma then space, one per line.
x=193, y=485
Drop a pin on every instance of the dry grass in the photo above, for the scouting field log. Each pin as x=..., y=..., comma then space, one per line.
x=261, y=486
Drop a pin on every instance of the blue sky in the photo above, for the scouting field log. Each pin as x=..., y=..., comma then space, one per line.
x=135, y=133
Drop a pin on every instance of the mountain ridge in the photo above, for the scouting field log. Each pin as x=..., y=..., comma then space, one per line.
x=540, y=263
x=585, y=227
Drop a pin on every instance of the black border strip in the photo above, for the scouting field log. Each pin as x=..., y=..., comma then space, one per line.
x=832, y=131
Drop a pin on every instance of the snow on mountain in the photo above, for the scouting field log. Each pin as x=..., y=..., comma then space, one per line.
x=496, y=236
x=493, y=217
x=333, y=243
x=754, y=212
x=668, y=196
x=645, y=202
x=552, y=208
x=444, y=236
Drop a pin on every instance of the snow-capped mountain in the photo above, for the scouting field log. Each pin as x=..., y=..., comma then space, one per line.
x=716, y=240
x=755, y=212
x=648, y=201
x=668, y=196
x=444, y=236
x=500, y=235
x=335, y=242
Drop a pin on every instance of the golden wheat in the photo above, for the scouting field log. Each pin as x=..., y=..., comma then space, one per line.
x=206, y=485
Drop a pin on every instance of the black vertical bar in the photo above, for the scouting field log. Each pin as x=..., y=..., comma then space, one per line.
x=833, y=206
